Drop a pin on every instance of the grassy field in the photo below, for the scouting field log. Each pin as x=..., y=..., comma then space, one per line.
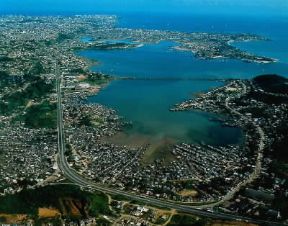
x=68, y=199
x=99, y=205
x=183, y=219
x=36, y=90
x=4, y=79
x=42, y=115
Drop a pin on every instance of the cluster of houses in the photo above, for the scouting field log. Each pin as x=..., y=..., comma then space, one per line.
x=27, y=157
x=264, y=122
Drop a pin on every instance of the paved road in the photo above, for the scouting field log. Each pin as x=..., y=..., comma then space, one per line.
x=78, y=179
x=261, y=145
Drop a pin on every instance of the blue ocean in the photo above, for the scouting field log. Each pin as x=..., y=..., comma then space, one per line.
x=146, y=103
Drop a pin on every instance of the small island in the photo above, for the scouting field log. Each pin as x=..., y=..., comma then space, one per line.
x=44, y=115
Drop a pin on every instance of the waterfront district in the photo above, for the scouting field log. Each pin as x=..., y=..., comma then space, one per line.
x=50, y=135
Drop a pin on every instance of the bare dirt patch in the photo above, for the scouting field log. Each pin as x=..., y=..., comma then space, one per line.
x=188, y=192
x=13, y=218
x=81, y=77
x=48, y=213
x=72, y=207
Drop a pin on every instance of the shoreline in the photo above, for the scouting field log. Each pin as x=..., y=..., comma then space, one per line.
x=114, y=77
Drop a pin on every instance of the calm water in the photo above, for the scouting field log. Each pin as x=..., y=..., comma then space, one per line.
x=160, y=61
x=146, y=103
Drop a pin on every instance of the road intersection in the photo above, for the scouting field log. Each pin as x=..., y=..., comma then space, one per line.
x=78, y=179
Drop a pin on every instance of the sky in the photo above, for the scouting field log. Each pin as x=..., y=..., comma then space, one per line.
x=269, y=7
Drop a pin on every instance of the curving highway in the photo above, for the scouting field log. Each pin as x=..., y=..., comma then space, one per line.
x=257, y=170
x=78, y=179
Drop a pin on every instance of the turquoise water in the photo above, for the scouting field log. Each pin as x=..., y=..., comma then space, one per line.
x=270, y=26
x=86, y=39
x=161, y=61
x=274, y=49
x=146, y=103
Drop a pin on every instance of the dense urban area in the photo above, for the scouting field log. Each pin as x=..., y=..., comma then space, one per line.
x=51, y=137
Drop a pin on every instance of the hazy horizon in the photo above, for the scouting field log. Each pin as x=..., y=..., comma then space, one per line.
x=241, y=7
